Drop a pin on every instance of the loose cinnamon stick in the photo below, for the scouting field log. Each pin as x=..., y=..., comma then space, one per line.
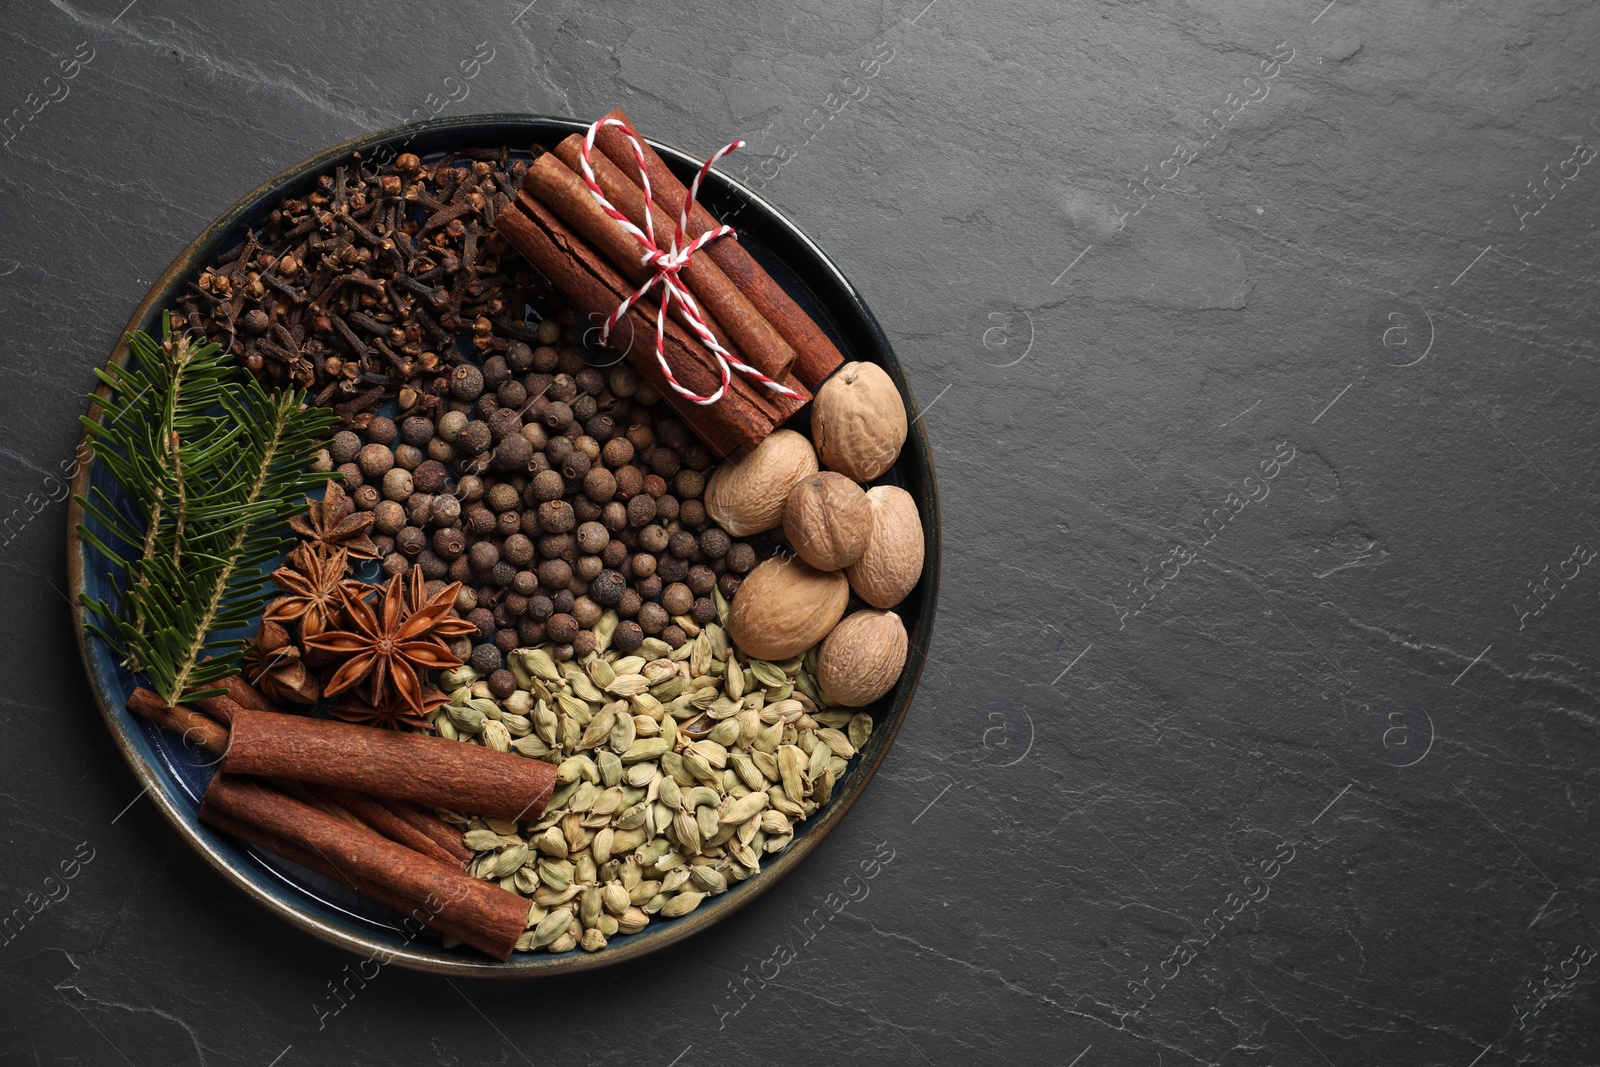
x=816, y=357
x=186, y=721
x=376, y=814
x=428, y=770
x=555, y=180
x=479, y=913
x=739, y=420
x=241, y=694
x=442, y=833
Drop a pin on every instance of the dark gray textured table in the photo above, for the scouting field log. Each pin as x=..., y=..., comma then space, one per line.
x=1256, y=342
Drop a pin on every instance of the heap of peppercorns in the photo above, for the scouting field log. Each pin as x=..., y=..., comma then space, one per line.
x=553, y=491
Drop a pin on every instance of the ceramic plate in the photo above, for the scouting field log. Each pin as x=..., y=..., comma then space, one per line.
x=177, y=775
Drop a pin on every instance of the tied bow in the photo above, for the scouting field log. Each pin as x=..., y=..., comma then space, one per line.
x=666, y=263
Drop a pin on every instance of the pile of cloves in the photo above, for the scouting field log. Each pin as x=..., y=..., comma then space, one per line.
x=376, y=284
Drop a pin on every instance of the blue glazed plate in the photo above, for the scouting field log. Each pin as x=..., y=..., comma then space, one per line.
x=176, y=775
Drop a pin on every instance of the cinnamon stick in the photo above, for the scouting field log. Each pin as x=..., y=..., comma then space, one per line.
x=242, y=694
x=186, y=721
x=376, y=814
x=479, y=913
x=428, y=770
x=554, y=180
x=739, y=420
x=442, y=833
x=816, y=356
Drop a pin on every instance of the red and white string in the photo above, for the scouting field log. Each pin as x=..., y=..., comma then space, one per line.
x=666, y=263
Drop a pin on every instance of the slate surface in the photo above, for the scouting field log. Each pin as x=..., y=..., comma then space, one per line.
x=1262, y=716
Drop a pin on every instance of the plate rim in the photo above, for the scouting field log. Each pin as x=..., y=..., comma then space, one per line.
x=528, y=965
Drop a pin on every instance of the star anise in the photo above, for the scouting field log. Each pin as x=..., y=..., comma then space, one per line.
x=388, y=714
x=311, y=583
x=334, y=523
x=274, y=666
x=391, y=652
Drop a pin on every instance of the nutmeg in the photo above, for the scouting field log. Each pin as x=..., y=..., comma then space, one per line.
x=862, y=658
x=785, y=606
x=746, y=494
x=827, y=519
x=858, y=421
x=892, y=561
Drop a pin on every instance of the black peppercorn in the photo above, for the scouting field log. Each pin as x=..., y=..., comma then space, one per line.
x=556, y=546
x=512, y=453
x=410, y=540
x=432, y=566
x=380, y=430
x=683, y=544
x=485, y=658
x=483, y=556
x=558, y=416
x=449, y=543
x=672, y=433
x=517, y=550
x=556, y=516
x=512, y=394
x=677, y=599
x=502, y=574
x=653, y=618
x=555, y=573
x=671, y=568
x=641, y=509
x=561, y=627
x=741, y=557
x=501, y=496
x=628, y=636
x=475, y=438
x=483, y=619
x=466, y=382
x=607, y=588
x=502, y=683
x=344, y=447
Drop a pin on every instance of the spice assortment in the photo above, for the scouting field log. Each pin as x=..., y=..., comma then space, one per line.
x=573, y=635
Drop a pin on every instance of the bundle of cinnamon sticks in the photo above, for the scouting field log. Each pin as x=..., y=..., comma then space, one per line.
x=561, y=228
x=352, y=803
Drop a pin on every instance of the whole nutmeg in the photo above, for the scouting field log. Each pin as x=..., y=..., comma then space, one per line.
x=746, y=494
x=827, y=519
x=785, y=606
x=892, y=562
x=858, y=421
x=862, y=658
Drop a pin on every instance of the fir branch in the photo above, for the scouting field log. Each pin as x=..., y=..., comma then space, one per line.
x=212, y=467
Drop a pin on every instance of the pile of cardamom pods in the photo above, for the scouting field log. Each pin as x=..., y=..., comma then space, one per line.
x=677, y=770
